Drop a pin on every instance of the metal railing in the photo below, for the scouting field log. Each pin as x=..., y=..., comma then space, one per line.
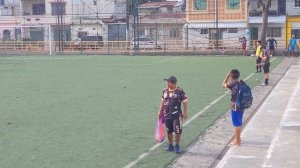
x=126, y=47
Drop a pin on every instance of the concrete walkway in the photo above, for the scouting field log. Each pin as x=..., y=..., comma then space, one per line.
x=210, y=147
x=272, y=137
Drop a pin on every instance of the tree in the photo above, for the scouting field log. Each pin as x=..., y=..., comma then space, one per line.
x=264, y=6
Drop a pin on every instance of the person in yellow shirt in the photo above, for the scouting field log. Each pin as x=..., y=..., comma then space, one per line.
x=259, y=55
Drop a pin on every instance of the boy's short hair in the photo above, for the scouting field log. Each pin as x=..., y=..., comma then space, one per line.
x=235, y=74
x=259, y=42
x=263, y=47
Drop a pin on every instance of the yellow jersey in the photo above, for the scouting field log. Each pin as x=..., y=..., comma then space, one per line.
x=258, y=52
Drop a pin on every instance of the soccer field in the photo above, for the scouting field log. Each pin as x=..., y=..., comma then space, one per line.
x=100, y=111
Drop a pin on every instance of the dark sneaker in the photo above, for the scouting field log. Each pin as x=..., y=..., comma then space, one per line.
x=169, y=148
x=177, y=149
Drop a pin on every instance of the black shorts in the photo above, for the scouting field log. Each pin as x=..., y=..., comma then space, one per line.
x=271, y=48
x=266, y=69
x=174, y=125
x=258, y=60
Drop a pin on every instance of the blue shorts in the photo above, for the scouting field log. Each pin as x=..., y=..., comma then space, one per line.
x=237, y=118
x=292, y=48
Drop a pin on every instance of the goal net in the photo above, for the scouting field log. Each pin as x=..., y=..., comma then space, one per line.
x=25, y=40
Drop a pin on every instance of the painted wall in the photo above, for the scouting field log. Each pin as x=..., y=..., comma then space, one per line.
x=291, y=9
x=194, y=15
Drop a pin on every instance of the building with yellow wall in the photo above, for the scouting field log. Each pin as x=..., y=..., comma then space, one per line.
x=293, y=19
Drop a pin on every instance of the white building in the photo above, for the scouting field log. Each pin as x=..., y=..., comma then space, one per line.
x=9, y=9
x=80, y=17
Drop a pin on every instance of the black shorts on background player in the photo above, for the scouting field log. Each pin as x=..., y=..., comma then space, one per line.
x=266, y=67
x=258, y=60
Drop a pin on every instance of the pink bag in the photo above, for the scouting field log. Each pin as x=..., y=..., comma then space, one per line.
x=159, y=130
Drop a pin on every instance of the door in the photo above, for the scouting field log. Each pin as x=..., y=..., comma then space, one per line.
x=253, y=36
x=214, y=35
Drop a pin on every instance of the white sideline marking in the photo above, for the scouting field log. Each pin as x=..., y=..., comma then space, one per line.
x=142, y=156
x=293, y=124
x=166, y=60
x=242, y=156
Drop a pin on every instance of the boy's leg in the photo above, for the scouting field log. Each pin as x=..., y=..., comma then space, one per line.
x=177, y=139
x=177, y=129
x=237, y=120
x=271, y=53
x=260, y=67
x=170, y=130
x=257, y=64
x=293, y=53
x=170, y=138
x=237, y=134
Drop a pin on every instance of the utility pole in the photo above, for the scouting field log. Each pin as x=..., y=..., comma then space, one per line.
x=217, y=25
x=187, y=37
x=61, y=24
x=136, y=25
x=59, y=12
x=58, y=25
x=128, y=13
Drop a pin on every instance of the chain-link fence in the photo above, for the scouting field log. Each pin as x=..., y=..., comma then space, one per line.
x=128, y=48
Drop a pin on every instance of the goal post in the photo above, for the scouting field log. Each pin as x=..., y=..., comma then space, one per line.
x=26, y=39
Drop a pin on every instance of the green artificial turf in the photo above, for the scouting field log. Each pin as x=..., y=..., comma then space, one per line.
x=89, y=111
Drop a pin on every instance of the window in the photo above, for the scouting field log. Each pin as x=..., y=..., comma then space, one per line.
x=81, y=33
x=95, y=2
x=38, y=9
x=200, y=5
x=233, y=4
x=170, y=9
x=232, y=30
x=297, y=3
x=296, y=32
x=2, y=2
x=58, y=8
x=6, y=34
x=174, y=33
x=274, y=31
x=204, y=31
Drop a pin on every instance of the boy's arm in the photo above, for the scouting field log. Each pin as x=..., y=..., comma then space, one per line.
x=160, y=108
x=185, y=109
x=225, y=81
